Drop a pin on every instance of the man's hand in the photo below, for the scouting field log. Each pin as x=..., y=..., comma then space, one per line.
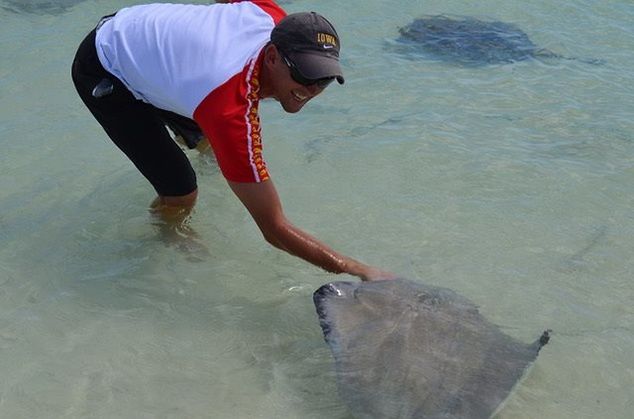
x=263, y=203
x=375, y=274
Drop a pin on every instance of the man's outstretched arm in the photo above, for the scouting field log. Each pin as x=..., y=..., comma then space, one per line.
x=263, y=203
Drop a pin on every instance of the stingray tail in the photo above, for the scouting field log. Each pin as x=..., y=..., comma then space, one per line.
x=543, y=340
x=545, y=53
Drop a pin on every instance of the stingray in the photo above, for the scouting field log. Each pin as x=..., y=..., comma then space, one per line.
x=407, y=350
x=470, y=42
x=39, y=7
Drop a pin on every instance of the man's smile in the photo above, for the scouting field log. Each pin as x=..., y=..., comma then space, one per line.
x=299, y=96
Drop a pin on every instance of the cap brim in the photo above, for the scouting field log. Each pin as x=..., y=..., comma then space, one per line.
x=316, y=66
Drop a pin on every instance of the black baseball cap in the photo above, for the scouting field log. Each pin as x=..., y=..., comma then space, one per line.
x=311, y=43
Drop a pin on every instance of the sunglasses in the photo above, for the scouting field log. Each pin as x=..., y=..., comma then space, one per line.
x=299, y=78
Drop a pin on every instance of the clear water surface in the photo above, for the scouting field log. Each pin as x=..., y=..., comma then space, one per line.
x=511, y=184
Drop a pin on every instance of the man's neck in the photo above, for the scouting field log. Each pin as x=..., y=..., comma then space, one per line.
x=266, y=90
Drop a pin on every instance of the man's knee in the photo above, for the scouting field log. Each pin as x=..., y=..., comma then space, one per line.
x=174, y=209
x=175, y=202
x=184, y=201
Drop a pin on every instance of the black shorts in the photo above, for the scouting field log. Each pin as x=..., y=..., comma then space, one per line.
x=137, y=128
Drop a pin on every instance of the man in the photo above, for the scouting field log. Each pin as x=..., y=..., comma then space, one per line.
x=153, y=65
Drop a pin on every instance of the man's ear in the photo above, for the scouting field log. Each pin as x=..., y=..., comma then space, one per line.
x=271, y=55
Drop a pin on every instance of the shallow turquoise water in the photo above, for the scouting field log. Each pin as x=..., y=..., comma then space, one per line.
x=510, y=184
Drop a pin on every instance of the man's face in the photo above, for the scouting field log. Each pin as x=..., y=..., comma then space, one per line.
x=291, y=94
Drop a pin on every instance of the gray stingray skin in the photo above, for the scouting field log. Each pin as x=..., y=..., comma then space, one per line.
x=407, y=350
x=469, y=41
x=39, y=7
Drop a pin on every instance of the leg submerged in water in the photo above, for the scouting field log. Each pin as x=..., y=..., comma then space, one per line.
x=172, y=215
x=174, y=209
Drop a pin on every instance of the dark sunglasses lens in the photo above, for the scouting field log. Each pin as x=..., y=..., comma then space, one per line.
x=323, y=83
x=299, y=78
x=295, y=74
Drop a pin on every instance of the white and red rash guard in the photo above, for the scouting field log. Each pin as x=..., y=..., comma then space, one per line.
x=202, y=62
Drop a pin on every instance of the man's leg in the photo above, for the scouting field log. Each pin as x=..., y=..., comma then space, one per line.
x=174, y=209
x=137, y=130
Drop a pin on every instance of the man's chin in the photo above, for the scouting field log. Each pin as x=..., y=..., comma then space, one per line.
x=292, y=108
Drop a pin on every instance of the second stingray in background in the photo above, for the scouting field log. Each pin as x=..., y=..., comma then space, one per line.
x=471, y=42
